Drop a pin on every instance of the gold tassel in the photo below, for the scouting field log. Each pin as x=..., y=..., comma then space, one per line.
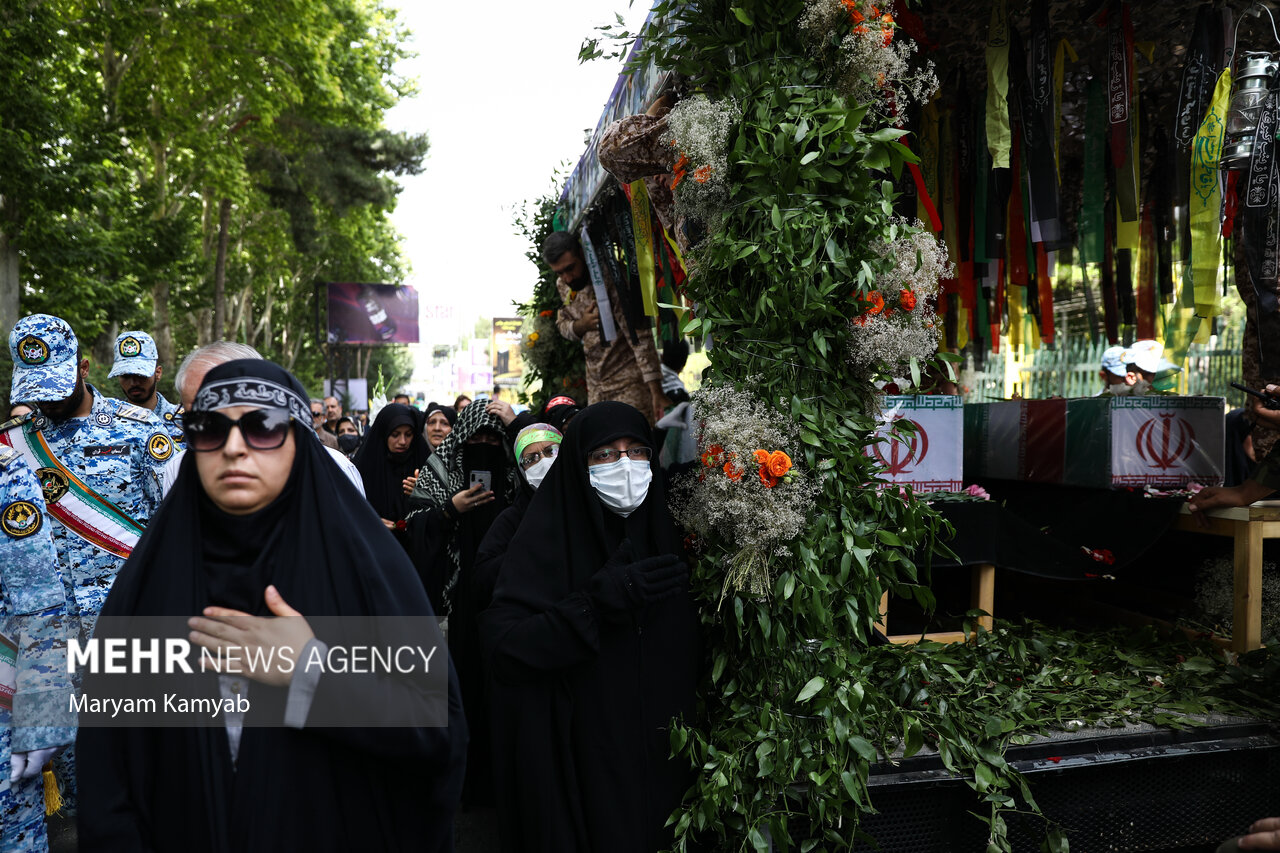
x=52, y=796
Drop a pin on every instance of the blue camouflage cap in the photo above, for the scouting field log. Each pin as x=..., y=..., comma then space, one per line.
x=44, y=352
x=1115, y=362
x=135, y=354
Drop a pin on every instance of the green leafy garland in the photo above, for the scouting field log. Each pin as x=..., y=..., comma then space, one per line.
x=800, y=239
x=555, y=362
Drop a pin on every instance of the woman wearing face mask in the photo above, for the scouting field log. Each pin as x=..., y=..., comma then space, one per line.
x=260, y=516
x=348, y=436
x=536, y=447
x=438, y=423
x=393, y=450
x=593, y=648
x=461, y=489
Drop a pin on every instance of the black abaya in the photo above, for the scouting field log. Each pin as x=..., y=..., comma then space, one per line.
x=582, y=704
x=384, y=472
x=323, y=547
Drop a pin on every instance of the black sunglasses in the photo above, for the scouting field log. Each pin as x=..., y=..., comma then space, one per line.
x=262, y=429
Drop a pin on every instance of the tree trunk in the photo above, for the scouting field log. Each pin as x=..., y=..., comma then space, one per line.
x=247, y=313
x=220, y=270
x=204, y=327
x=103, y=350
x=10, y=289
x=162, y=329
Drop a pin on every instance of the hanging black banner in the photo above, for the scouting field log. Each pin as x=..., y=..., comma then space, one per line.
x=1260, y=178
x=1161, y=184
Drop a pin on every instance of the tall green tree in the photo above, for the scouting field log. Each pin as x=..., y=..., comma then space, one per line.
x=148, y=141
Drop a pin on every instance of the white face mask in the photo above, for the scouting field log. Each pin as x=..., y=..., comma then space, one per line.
x=622, y=485
x=535, y=474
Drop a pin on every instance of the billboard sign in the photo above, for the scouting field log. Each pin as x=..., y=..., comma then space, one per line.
x=372, y=314
x=508, y=367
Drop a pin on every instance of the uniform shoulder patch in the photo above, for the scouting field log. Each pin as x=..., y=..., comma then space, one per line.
x=159, y=447
x=135, y=413
x=7, y=455
x=20, y=519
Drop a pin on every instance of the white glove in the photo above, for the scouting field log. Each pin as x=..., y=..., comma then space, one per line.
x=27, y=765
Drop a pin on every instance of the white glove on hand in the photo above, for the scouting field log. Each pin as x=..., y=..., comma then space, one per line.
x=27, y=765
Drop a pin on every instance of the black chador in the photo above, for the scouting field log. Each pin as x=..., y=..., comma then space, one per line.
x=327, y=552
x=585, y=683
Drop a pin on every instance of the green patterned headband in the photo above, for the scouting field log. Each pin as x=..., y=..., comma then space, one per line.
x=534, y=433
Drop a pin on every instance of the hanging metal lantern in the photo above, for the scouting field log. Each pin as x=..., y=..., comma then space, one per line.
x=1249, y=92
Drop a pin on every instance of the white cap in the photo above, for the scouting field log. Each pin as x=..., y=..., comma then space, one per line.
x=1149, y=356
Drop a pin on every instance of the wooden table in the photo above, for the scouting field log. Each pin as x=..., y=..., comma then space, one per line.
x=1248, y=526
x=982, y=597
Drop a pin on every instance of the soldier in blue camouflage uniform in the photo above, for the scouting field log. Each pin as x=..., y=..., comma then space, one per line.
x=137, y=366
x=35, y=710
x=103, y=456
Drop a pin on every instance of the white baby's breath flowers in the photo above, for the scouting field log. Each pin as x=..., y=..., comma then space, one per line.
x=870, y=64
x=699, y=129
x=1215, y=595
x=753, y=521
x=891, y=338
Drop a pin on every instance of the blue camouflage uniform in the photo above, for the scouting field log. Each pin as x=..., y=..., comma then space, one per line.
x=33, y=622
x=116, y=451
x=171, y=415
x=136, y=354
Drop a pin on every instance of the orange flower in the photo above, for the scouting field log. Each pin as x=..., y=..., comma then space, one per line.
x=546, y=313
x=762, y=457
x=860, y=321
x=907, y=300
x=779, y=463
x=711, y=458
x=678, y=170
x=702, y=174
x=877, y=302
x=731, y=471
x=768, y=480
x=886, y=28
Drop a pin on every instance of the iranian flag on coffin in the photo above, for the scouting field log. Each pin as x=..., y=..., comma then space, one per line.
x=1016, y=440
x=930, y=459
x=1141, y=441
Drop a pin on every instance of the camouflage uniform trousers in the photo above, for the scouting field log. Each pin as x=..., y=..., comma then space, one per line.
x=33, y=619
x=22, y=826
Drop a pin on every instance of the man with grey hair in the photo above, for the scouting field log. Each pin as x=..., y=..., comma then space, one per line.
x=191, y=373
x=201, y=360
x=327, y=438
x=621, y=359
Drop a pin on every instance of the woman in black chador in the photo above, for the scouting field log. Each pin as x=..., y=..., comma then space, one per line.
x=593, y=646
x=393, y=449
x=263, y=533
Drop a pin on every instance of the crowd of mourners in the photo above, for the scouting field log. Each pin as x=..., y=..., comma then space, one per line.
x=539, y=543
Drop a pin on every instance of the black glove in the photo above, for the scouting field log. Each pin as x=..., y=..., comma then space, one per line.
x=624, y=584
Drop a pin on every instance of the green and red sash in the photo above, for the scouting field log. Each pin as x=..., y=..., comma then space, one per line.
x=79, y=508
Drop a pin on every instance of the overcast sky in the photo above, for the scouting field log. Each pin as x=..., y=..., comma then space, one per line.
x=504, y=101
